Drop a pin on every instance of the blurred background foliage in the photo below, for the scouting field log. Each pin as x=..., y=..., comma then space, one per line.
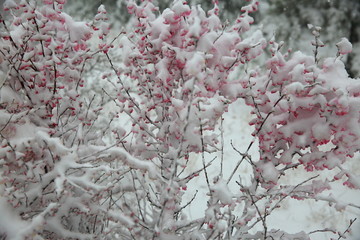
x=337, y=18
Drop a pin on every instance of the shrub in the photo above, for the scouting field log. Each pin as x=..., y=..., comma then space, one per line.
x=60, y=179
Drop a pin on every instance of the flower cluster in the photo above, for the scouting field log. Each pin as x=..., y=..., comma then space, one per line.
x=305, y=114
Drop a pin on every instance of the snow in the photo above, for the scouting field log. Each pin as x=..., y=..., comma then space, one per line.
x=195, y=65
x=206, y=41
x=344, y=46
x=333, y=70
x=78, y=30
x=179, y=8
x=134, y=162
x=8, y=4
x=269, y=172
x=7, y=95
x=220, y=190
x=294, y=87
x=10, y=223
x=321, y=131
x=195, y=28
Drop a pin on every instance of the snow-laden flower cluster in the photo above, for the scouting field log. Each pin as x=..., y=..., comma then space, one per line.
x=300, y=107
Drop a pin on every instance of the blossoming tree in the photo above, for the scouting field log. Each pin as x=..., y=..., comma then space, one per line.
x=60, y=179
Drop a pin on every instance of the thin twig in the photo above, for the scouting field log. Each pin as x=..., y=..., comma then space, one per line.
x=252, y=142
x=263, y=218
x=195, y=173
x=203, y=151
x=347, y=230
x=188, y=203
x=222, y=146
x=298, y=185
